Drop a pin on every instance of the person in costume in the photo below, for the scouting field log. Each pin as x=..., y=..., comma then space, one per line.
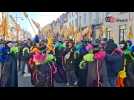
x=25, y=57
x=14, y=51
x=43, y=46
x=87, y=58
x=43, y=75
x=3, y=59
x=130, y=68
x=68, y=64
x=82, y=71
x=59, y=49
x=77, y=59
x=129, y=44
x=9, y=75
x=32, y=66
x=97, y=72
x=50, y=61
x=113, y=62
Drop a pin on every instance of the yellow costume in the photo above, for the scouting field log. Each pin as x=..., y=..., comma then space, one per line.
x=50, y=46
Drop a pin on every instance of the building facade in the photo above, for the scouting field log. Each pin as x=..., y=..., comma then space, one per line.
x=119, y=26
x=116, y=24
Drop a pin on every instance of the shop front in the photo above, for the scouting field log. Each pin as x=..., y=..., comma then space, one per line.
x=119, y=28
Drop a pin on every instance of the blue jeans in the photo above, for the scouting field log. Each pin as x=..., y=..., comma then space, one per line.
x=24, y=62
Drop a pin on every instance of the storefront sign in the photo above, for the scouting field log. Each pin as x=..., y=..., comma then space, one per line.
x=112, y=19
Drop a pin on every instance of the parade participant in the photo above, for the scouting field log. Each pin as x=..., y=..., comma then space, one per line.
x=97, y=72
x=68, y=64
x=3, y=59
x=87, y=58
x=14, y=50
x=20, y=56
x=122, y=45
x=109, y=46
x=32, y=66
x=9, y=75
x=45, y=67
x=34, y=48
x=43, y=46
x=82, y=50
x=129, y=44
x=130, y=68
x=36, y=39
x=38, y=60
x=59, y=48
x=127, y=51
x=77, y=59
x=113, y=63
x=50, y=61
x=25, y=57
x=82, y=72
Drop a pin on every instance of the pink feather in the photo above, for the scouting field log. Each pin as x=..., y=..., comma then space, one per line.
x=38, y=57
x=100, y=55
x=119, y=50
x=88, y=47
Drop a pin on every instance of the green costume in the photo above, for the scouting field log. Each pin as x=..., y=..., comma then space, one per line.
x=50, y=58
x=89, y=57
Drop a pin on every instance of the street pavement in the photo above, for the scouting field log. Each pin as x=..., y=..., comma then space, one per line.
x=25, y=81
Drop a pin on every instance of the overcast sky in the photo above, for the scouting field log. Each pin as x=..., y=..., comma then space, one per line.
x=43, y=18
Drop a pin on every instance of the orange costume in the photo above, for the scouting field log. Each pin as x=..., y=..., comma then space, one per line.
x=35, y=50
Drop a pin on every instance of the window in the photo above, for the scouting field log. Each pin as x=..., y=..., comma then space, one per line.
x=122, y=31
x=108, y=33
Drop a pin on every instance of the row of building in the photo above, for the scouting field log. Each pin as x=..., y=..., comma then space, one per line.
x=116, y=24
x=11, y=29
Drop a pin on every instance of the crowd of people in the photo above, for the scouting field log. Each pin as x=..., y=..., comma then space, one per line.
x=98, y=63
